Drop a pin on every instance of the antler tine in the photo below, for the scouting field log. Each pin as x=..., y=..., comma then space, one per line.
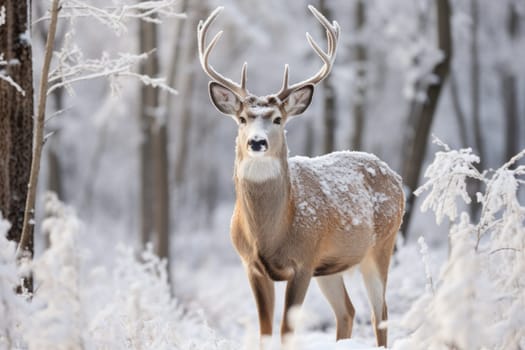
x=243, y=75
x=328, y=57
x=285, y=78
x=204, y=53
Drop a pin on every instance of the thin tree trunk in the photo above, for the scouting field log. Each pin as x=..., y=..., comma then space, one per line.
x=360, y=98
x=509, y=91
x=186, y=78
x=174, y=67
x=16, y=110
x=329, y=99
x=25, y=248
x=309, y=140
x=475, y=77
x=458, y=111
x=419, y=132
x=148, y=108
x=162, y=193
x=154, y=155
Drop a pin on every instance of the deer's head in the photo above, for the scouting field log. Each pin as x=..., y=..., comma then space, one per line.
x=261, y=119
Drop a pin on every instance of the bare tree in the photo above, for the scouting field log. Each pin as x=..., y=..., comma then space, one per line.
x=329, y=99
x=148, y=109
x=422, y=114
x=154, y=153
x=360, y=94
x=458, y=110
x=185, y=80
x=475, y=86
x=16, y=111
x=509, y=89
x=25, y=247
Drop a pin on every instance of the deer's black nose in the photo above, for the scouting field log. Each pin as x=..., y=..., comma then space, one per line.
x=258, y=145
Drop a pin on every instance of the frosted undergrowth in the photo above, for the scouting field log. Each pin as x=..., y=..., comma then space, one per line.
x=78, y=305
x=479, y=298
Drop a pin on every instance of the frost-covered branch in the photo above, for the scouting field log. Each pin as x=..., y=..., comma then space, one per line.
x=71, y=64
x=117, y=16
x=446, y=180
x=10, y=80
x=73, y=67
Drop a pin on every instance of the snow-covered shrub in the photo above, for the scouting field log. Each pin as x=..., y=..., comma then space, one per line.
x=79, y=305
x=57, y=321
x=13, y=307
x=479, y=299
x=142, y=314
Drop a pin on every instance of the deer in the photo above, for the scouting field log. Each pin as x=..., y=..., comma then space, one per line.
x=298, y=218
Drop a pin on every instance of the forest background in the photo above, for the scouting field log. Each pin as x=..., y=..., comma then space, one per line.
x=137, y=162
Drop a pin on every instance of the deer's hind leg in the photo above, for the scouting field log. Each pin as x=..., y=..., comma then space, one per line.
x=334, y=290
x=374, y=269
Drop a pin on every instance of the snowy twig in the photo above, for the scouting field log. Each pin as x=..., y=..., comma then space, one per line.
x=4, y=63
x=426, y=262
x=502, y=249
x=11, y=82
x=73, y=68
x=115, y=17
x=446, y=180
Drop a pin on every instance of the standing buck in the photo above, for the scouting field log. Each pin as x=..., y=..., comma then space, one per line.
x=298, y=218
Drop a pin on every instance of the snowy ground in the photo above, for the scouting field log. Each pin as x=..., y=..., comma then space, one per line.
x=208, y=276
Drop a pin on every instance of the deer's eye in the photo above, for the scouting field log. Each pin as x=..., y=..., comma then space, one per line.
x=277, y=121
x=242, y=120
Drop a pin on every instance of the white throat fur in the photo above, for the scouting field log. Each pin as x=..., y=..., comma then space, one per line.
x=259, y=169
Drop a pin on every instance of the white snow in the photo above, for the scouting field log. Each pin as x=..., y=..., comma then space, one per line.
x=337, y=182
x=2, y=15
x=261, y=110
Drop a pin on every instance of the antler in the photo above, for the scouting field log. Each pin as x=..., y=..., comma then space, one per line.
x=204, y=53
x=332, y=34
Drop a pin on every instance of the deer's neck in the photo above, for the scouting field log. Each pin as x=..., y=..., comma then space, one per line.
x=262, y=188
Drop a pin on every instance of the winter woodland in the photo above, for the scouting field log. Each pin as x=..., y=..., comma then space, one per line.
x=116, y=184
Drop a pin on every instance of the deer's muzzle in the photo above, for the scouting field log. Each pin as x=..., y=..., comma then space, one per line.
x=257, y=145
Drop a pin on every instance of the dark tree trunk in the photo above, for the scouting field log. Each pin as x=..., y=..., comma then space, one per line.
x=148, y=106
x=154, y=152
x=458, y=111
x=16, y=115
x=186, y=79
x=419, y=130
x=475, y=77
x=309, y=139
x=509, y=89
x=360, y=94
x=329, y=99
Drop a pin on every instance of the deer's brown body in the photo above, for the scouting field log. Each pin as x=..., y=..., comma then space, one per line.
x=299, y=218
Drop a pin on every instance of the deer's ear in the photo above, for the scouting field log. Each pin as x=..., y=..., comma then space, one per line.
x=225, y=100
x=299, y=100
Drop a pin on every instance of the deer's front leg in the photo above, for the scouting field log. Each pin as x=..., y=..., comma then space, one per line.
x=295, y=293
x=263, y=291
